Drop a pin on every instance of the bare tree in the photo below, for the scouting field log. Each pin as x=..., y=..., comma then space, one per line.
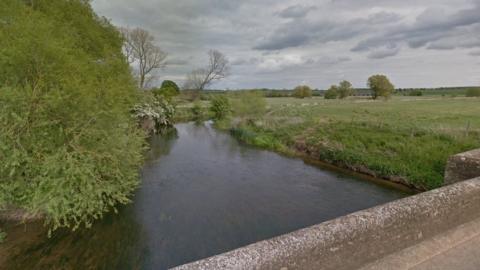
x=217, y=69
x=139, y=48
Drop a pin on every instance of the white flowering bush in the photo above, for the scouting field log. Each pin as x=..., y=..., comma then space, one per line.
x=160, y=111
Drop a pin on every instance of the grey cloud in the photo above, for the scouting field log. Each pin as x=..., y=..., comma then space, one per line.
x=333, y=60
x=475, y=53
x=179, y=61
x=440, y=46
x=296, y=11
x=301, y=31
x=384, y=52
x=432, y=27
x=244, y=61
x=384, y=17
x=286, y=38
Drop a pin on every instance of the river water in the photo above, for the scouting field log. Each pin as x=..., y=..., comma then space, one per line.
x=202, y=193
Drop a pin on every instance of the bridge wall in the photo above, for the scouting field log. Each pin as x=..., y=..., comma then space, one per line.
x=462, y=167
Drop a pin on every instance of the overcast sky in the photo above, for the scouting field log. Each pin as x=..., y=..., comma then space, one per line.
x=283, y=43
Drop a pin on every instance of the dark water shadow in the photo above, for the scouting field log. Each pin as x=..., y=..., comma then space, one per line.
x=115, y=242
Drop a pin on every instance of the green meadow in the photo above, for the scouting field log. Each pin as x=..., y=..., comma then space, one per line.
x=404, y=139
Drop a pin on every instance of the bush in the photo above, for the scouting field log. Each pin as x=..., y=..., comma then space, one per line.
x=70, y=149
x=197, y=110
x=220, y=107
x=473, y=92
x=249, y=104
x=331, y=93
x=161, y=111
x=302, y=91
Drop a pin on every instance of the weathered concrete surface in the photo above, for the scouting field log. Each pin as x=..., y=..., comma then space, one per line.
x=455, y=249
x=357, y=239
x=465, y=256
x=462, y=167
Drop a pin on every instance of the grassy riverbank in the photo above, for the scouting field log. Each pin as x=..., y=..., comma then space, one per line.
x=405, y=139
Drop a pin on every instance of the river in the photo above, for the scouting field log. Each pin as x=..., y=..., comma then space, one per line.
x=202, y=193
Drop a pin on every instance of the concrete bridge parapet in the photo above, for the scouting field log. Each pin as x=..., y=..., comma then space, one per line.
x=462, y=167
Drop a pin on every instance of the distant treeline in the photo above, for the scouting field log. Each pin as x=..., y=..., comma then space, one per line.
x=441, y=91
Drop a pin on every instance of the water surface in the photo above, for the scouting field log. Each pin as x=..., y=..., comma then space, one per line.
x=202, y=194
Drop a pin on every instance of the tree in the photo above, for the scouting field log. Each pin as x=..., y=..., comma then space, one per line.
x=168, y=90
x=345, y=89
x=218, y=68
x=69, y=148
x=302, y=91
x=381, y=86
x=139, y=48
x=332, y=92
x=167, y=84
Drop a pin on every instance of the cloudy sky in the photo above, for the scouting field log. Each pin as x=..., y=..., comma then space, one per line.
x=283, y=43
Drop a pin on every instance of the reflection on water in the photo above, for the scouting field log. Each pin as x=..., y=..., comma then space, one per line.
x=114, y=243
x=202, y=194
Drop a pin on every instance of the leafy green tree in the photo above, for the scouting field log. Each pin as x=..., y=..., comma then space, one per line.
x=168, y=90
x=332, y=92
x=345, y=89
x=302, y=91
x=69, y=148
x=167, y=84
x=381, y=86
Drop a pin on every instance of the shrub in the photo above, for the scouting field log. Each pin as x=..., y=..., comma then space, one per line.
x=473, y=92
x=197, y=110
x=331, y=93
x=381, y=86
x=249, y=104
x=160, y=111
x=70, y=149
x=302, y=91
x=220, y=107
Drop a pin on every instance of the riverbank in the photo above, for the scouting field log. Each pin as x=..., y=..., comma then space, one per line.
x=404, y=140
x=310, y=157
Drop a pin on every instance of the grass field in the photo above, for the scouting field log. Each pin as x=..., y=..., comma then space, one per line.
x=406, y=139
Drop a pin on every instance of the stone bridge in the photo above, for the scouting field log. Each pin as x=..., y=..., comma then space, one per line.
x=439, y=229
